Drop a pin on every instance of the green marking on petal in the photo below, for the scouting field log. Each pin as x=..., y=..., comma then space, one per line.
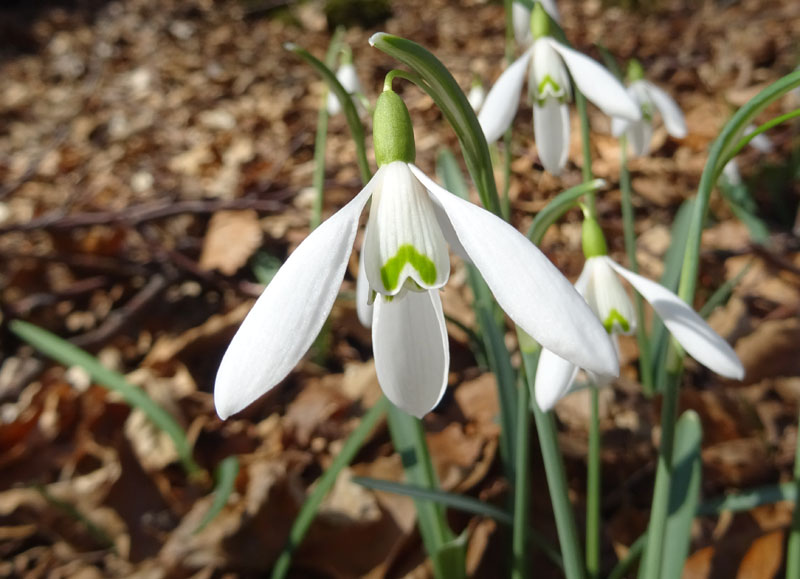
x=615, y=317
x=548, y=81
x=391, y=270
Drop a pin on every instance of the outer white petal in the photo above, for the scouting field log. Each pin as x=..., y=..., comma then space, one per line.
x=287, y=317
x=412, y=355
x=476, y=96
x=619, y=126
x=598, y=84
x=691, y=331
x=527, y=286
x=348, y=78
x=551, y=130
x=503, y=99
x=554, y=376
x=674, y=121
x=521, y=19
x=363, y=301
x=640, y=133
x=403, y=228
x=447, y=228
x=731, y=172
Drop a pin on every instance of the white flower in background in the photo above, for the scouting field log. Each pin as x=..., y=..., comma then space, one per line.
x=476, y=95
x=348, y=78
x=651, y=100
x=761, y=143
x=405, y=263
x=600, y=286
x=521, y=19
x=546, y=63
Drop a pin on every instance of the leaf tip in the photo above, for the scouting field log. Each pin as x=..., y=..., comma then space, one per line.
x=376, y=37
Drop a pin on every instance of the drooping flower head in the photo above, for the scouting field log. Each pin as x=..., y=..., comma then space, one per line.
x=521, y=19
x=348, y=77
x=651, y=100
x=599, y=284
x=549, y=66
x=405, y=262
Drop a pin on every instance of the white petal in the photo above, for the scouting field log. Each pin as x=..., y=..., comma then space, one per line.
x=348, y=78
x=598, y=84
x=554, y=376
x=619, y=126
x=476, y=96
x=403, y=240
x=608, y=299
x=287, y=317
x=334, y=107
x=691, y=331
x=550, y=77
x=760, y=142
x=731, y=173
x=412, y=355
x=674, y=120
x=640, y=133
x=363, y=299
x=527, y=286
x=447, y=229
x=521, y=19
x=551, y=130
x=503, y=99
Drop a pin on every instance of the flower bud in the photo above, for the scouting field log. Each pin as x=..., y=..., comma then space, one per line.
x=393, y=135
x=594, y=242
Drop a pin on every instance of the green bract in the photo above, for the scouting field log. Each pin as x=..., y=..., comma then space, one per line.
x=393, y=135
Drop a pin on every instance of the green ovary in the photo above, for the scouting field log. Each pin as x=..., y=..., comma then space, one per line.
x=615, y=316
x=391, y=270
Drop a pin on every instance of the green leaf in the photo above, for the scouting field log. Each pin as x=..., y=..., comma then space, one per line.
x=437, y=81
x=684, y=494
x=311, y=505
x=349, y=108
x=408, y=438
x=225, y=475
x=560, y=204
x=70, y=355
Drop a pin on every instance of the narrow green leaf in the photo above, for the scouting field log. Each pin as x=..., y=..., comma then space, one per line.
x=225, y=475
x=70, y=355
x=451, y=100
x=723, y=292
x=560, y=204
x=741, y=501
x=97, y=532
x=311, y=505
x=522, y=486
x=684, y=494
x=451, y=500
x=408, y=438
x=348, y=106
x=744, y=208
x=742, y=143
x=460, y=503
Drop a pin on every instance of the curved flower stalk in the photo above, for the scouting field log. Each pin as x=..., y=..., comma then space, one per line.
x=600, y=286
x=348, y=77
x=546, y=63
x=521, y=19
x=651, y=100
x=405, y=261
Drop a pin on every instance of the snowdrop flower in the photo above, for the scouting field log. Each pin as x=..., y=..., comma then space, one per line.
x=476, y=95
x=546, y=63
x=348, y=78
x=599, y=284
x=650, y=100
x=521, y=19
x=405, y=263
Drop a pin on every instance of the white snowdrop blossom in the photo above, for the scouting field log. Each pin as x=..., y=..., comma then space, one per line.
x=600, y=286
x=347, y=76
x=651, y=100
x=476, y=96
x=521, y=19
x=405, y=263
x=549, y=65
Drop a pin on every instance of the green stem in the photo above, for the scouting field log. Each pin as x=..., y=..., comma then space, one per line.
x=656, y=529
x=793, y=548
x=593, y=491
x=556, y=478
x=309, y=509
x=645, y=369
x=522, y=486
